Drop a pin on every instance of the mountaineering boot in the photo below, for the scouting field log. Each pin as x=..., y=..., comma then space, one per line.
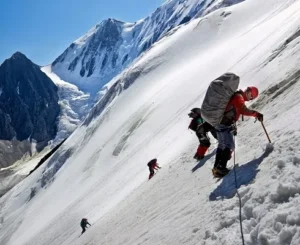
x=218, y=173
x=200, y=152
x=197, y=157
x=225, y=156
x=222, y=156
x=218, y=157
x=151, y=175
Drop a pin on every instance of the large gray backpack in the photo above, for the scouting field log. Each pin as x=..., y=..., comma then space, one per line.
x=217, y=97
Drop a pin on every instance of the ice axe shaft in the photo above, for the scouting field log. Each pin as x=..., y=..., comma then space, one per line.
x=266, y=132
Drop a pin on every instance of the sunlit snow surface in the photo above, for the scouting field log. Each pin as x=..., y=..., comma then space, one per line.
x=101, y=173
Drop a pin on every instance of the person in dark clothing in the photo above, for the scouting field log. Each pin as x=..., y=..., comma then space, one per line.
x=201, y=128
x=153, y=165
x=84, y=222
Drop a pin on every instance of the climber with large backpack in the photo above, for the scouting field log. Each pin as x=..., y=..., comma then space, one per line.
x=201, y=128
x=222, y=106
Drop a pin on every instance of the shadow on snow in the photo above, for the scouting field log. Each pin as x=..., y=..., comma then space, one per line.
x=244, y=175
x=203, y=161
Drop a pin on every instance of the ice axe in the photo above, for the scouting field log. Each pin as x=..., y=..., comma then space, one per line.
x=262, y=124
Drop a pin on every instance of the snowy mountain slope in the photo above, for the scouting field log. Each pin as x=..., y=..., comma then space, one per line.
x=100, y=172
x=15, y=173
x=95, y=58
x=73, y=105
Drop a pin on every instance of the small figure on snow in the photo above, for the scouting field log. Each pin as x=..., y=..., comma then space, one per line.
x=201, y=128
x=227, y=127
x=84, y=222
x=153, y=165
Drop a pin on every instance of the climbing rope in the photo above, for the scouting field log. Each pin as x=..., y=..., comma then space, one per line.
x=238, y=194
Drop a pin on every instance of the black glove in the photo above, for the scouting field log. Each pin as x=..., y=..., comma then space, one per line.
x=259, y=116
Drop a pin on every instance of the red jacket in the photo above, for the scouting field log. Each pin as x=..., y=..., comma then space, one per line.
x=236, y=107
x=153, y=164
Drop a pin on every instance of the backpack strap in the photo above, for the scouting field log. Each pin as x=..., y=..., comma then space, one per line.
x=228, y=115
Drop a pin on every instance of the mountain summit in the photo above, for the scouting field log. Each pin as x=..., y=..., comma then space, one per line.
x=28, y=102
x=104, y=51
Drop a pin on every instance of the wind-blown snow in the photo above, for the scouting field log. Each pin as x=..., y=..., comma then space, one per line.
x=101, y=173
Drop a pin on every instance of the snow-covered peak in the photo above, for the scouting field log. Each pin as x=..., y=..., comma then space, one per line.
x=104, y=51
x=82, y=40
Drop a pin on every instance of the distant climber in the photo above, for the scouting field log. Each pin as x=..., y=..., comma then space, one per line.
x=201, y=128
x=153, y=165
x=84, y=222
x=222, y=106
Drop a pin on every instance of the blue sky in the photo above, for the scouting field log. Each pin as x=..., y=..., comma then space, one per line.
x=43, y=29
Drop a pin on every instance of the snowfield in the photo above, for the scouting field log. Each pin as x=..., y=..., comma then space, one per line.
x=100, y=172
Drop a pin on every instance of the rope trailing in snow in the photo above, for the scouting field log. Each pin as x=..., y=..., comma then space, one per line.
x=238, y=194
